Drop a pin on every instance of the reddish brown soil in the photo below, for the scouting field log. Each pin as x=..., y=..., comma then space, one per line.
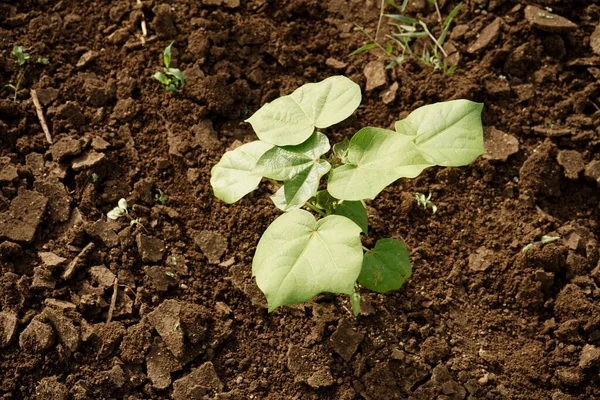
x=479, y=319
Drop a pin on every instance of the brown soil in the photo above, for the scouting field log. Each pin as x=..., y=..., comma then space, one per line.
x=479, y=318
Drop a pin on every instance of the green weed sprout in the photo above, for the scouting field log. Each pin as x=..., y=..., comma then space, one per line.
x=399, y=43
x=425, y=201
x=172, y=78
x=22, y=57
x=543, y=240
x=299, y=256
x=160, y=197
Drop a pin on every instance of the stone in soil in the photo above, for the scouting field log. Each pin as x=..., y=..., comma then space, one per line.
x=47, y=95
x=8, y=174
x=151, y=249
x=125, y=110
x=37, y=337
x=321, y=378
x=43, y=279
x=71, y=113
x=87, y=161
x=166, y=320
x=487, y=36
x=160, y=362
x=65, y=148
x=101, y=230
x=205, y=135
x=434, y=349
x=499, y=145
x=59, y=201
x=595, y=40
x=159, y=277
x=481, y=259
x=345, y=340
x=212, y=244
x=198, y=383
x=376, y=76
x=10, y=251
x=592, y=171
x=547, y=21
x=21, y=221
x=68, y=334
x=590, y=357
x=8, y=327
x=103, y=276
x=572, y=162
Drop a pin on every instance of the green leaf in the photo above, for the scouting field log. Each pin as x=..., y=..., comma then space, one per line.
x=355, y=211
x=376, y=158
x=177, y=74
x=340, y=150
x=234, y=176
x=19, y=52
x=284, y=163
x=362, y=49
x=386, y=267
x=167, y=56
x=325, y=201
x=299, y=257
x=449, y=134
x=297, y=191
x=290, y=120
x=162, y=78
x=41, y=60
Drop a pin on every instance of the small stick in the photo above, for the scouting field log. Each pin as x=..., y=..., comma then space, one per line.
x=113, y=301
x=40, y=114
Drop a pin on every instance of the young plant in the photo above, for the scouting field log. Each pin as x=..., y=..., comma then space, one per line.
x=22, y=57
x=122, y=210
x=543, y=240
x=172, y=78
x=299, y=256
x=160, y=197
x=425, y=201
x=399, y=43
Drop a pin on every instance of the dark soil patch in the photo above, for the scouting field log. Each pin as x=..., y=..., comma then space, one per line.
x=166, y=308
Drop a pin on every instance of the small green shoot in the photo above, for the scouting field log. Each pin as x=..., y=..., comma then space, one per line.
x=95, y=177
x=172, y=78
x=425, y=201
x=399, y=44
x=160, y=197
x=22, y=57
x=304, y=253
x=122, y=210
x=543, y=240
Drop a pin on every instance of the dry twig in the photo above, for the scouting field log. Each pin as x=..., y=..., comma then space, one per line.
x=40, y=114
x=113, y=301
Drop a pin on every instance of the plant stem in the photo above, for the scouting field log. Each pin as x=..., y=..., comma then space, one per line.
x=315, y=209
x=360, y=28
x=274, y=182
x=366, y=249
x=18, y=85
x=380, y=18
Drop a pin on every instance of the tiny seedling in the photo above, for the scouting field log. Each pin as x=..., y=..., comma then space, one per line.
x=22, y=57
x=425, y=202
x=407, y=30
x=122, y=210
x=172, y=78
x=543, y=240
x=299, y=256
x=160, y=197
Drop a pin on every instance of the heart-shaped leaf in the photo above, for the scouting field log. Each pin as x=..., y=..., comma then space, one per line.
x=386, y=267
x=235, y=175
x=376, y=158
x=299, y=257
x=290, y=120
x=448, y=133
x=296, y=191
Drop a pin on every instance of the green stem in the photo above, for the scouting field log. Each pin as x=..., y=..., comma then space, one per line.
x=274, y=182
x=18, y=85
x=315, y=209
x=366, y=249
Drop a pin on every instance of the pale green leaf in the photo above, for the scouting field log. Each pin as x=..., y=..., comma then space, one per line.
x=299, y=257
x=284, y=163
x=449, y=134
x=355, y=211
x=325, y=201
x=376, y=158
x=296, y=191
x=386, y=267
x=234, y=176
x=290, y=120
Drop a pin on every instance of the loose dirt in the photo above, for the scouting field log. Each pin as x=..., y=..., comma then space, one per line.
x=167, y=308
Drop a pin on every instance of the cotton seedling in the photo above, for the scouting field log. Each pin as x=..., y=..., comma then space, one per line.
x=160, y=197
x=122, y=210
x=22, y=57
x=299, y=256
x=425, y=201
x=543, y=240
x=171, y=78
